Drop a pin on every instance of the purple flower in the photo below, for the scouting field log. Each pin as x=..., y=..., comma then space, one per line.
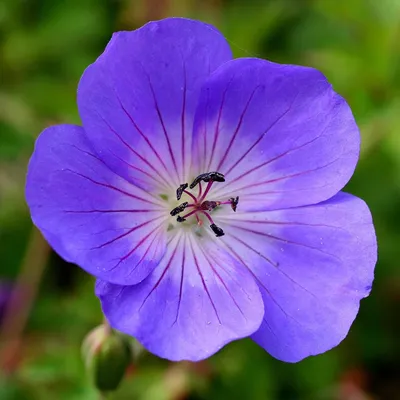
x=204, y=194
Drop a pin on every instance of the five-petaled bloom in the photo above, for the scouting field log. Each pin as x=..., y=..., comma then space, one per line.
x=203, y=192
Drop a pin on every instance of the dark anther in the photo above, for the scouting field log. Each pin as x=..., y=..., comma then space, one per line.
x=180, y=219
x=234, y=202
x=179, y=209
x=207, y=177
x=218, y=231
x=209, y=205
x=180, y=190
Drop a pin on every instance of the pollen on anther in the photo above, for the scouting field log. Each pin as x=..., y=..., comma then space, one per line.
x=217, y=230
x=234, y=202
x=207, y=177
x=209, y=205
x=180, y=190
x=179, y=209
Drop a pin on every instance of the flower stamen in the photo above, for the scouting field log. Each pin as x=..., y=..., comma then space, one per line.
x=179, y=209
x=191, y=195
x=208, y=177
x=217, y=230
x=199, y=221
x=200, y=204
x=181, y=219
x=234, y=202
x=200, y=189
x=180, y=190
x=210, y=183
x=209, y=205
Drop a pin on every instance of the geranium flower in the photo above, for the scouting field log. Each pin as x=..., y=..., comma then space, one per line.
x=204, y=194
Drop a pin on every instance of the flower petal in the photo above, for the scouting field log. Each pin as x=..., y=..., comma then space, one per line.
x=90, y=215
x=313, y=265
x=279, y=133
x=197, y=300
x=137, y=101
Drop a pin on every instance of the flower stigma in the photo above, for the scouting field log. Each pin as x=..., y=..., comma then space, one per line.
x=200, y=205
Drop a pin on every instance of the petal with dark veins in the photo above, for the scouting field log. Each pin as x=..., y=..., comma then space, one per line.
x=196, y=301
x=90, y=215
x=313, y=265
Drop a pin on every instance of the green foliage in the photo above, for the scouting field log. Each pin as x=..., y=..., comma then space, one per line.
x=44, y=47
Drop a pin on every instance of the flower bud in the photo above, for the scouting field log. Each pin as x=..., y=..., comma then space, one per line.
x=107, y=354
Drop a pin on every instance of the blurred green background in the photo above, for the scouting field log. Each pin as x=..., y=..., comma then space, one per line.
x=45, y=46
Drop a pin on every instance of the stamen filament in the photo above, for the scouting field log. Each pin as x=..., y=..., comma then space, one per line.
x=199, y=221
x=209, y=184
x=200, y=190
x=191, y=195
x=187, y=215
x=208, y=216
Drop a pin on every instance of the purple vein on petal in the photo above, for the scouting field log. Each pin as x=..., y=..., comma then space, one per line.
x=275, y=265
x=138, y=245
x=271, y=330
x=132, y=150
x=281, y=178
x=207, y=257
x=110, y=211
x=164, y=129
x=285, y=192
x=237, y=129
x=234, y=279
x=102, y=162
x=157, y=236
x=163, y=273
x=120, y=177
x=106, y=185
x=203, y=281
x=282, y=240
x=183, y=115
x=289, y=223
x=259, y=282
x=182, y=279
x=296, y=223
x=236, y=163
x=205, y=132
x=245, y=174
x=127, y=233
x=129, y=165
x=160, y=118
x=146, y=139
x=290, y=176
x=217, y=130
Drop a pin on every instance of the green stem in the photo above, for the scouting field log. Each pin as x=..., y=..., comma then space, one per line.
x=21, y=301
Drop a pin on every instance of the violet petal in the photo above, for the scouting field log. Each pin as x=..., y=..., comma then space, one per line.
x=137, y=100
x=197, y=300
x=89, y=214
x=279, y=133
x=313, y=265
